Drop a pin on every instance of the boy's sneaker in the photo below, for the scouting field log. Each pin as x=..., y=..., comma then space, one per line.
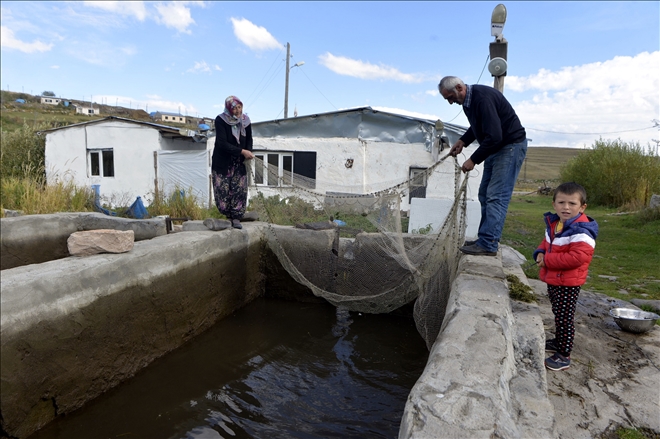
x=551, y=345
x=558, y=362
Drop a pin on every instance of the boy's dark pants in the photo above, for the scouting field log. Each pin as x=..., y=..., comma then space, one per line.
x=564, y=300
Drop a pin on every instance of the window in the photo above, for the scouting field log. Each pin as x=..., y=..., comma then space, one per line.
x=280, y=168
x=101, y=163
x=417, y=178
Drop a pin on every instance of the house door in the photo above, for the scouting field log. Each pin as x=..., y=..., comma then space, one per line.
x=186, y=171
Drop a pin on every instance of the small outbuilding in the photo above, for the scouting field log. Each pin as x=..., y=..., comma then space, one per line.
x=128, y=158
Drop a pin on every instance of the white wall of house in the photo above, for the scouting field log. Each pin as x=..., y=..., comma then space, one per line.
x=132, y=145
x=375, y=165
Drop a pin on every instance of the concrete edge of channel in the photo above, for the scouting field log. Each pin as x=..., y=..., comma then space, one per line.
x=485, y=376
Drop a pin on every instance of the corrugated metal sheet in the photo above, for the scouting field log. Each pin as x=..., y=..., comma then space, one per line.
x=363, y=123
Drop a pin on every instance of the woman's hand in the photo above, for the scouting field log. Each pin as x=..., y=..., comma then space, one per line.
x=247, y=154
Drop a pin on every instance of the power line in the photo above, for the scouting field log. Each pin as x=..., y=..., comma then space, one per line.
x=260, y=81
x=610, y=132
x=482, y=72
x=302, y=70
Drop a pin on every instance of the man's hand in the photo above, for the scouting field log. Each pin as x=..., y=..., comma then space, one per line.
x=457, y=148
x=467, y=166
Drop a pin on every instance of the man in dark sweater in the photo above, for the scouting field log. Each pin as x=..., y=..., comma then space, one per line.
x=502, y=148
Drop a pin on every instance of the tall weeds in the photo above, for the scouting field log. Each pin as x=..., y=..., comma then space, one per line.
x=615, y=173
x=23, y=152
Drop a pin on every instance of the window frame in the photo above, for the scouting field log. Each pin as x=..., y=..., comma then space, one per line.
x=103, y=159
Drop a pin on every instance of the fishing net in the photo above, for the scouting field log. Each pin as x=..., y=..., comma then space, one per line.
x=350, y=245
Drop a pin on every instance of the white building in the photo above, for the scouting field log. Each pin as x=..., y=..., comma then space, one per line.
x=50, y=100
x=87, y=110
x=129, y=158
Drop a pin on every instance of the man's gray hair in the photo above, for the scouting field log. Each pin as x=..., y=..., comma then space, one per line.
x=449, y=83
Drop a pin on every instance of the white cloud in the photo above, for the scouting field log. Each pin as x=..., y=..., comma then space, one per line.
x=175, y=15
x=201, y=67
x=8, y=40
x=604, y=99
x=131, y=8
x=54, y=67
x=364, y=70
x=253, y=36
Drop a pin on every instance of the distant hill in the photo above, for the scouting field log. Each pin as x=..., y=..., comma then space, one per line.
x=545, y=162
x=14, y=115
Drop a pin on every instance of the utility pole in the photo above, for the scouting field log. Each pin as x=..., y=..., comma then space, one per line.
x=286, y=84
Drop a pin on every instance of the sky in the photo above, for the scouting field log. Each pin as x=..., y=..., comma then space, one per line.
x=577, y=71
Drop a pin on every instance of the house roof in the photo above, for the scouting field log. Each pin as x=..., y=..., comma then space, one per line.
x=364, y=123
x=169, y=114
x=165, y=130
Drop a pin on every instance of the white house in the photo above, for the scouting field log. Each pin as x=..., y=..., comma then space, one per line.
x=162, y=116
x=50, y=100
x=129, y=158
x=87, y=110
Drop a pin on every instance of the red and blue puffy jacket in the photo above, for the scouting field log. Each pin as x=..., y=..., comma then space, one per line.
x=569, y=252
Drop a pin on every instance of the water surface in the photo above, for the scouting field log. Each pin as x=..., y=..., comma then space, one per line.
x=275, y=369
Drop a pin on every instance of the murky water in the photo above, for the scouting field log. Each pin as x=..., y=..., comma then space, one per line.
x=275, y=369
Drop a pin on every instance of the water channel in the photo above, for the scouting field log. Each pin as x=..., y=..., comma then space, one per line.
x=275, y=369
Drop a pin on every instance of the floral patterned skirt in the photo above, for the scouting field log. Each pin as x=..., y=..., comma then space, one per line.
x=230, y=190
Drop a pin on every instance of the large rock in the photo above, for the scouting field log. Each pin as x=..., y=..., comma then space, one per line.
x=93, y=242
x=655, y=201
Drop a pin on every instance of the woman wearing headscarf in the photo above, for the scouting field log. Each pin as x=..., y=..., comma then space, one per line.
x=233, y=145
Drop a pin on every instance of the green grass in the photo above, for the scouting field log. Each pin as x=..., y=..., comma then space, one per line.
x=627, y=248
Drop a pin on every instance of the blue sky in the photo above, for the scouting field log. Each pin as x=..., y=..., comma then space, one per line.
x=578, y=71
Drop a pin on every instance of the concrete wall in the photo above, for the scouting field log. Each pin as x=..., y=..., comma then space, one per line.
x=485, y=376
x=74, y=328
x=32, y=239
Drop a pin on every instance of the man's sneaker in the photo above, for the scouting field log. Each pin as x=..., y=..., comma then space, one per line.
x=470, y=242
x=558, y=362
x=551, y=345
x=476, y=250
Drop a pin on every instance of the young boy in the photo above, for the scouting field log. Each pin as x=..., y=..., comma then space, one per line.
x=564, y=257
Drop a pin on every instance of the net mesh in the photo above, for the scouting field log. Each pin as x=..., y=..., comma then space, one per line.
x=348, y=245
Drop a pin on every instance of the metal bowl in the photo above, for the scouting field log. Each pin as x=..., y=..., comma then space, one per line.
x=634, y=320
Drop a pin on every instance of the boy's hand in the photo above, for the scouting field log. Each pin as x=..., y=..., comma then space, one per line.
x=539, y=259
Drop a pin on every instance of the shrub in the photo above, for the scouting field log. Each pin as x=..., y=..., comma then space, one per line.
x=615, y=173
x=23, y=153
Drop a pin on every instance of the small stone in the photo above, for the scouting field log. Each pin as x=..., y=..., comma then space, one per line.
x=216, y=224
x=92, y=242
x=250, y=216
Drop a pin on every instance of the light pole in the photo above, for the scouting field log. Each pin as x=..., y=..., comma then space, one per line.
x=286, y=84
x=498, y=49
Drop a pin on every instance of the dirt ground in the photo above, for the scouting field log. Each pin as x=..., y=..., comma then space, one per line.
x=614, y=378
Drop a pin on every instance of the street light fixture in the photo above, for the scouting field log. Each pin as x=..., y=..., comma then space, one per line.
x=286, y=84
x=498, y=49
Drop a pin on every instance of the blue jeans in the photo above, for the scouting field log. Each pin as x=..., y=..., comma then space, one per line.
x=497, y=183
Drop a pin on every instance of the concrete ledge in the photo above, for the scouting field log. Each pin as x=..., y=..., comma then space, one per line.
x=74, y=328
x=473, y=385
x=33, y=239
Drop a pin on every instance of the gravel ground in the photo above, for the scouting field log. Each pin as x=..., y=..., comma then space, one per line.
x=614, y=378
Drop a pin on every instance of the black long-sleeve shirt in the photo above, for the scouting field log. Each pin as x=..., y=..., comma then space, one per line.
x=493, y=122
x=226, y=145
